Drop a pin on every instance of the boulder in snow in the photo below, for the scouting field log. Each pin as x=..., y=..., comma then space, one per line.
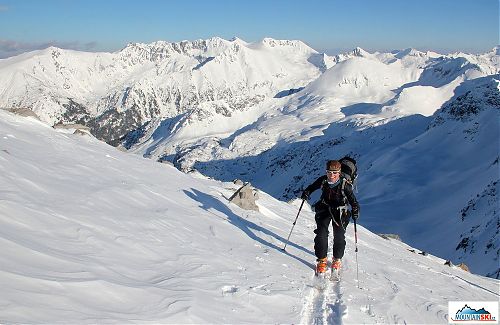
x=245, y=198
x=74, y=128
x=464, y=267
x=390, y=236
x=22, y=111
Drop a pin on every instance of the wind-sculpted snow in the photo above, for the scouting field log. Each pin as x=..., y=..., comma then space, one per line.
x=90, y=234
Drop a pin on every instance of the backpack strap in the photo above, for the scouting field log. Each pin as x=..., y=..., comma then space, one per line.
x=342, y=189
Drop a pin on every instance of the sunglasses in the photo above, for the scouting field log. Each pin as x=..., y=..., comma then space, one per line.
x=332, y=172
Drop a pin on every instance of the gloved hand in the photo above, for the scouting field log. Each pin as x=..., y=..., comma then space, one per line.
x=355, y=216
x=305, y=195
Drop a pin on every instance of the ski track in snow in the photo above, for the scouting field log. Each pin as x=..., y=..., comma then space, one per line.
x=325, y=304
x=315, y=303
x=338, y=309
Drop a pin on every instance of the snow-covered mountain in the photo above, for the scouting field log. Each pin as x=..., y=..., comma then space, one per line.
x=367, y=89
x=423, y=126
x=115, y=93
x=90, y=234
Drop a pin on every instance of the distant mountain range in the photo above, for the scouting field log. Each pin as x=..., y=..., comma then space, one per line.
x=423, y=126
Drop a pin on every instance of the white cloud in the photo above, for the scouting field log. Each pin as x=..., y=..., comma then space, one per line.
x=11, y=48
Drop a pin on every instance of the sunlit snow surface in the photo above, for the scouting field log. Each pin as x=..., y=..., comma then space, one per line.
x=89, y=234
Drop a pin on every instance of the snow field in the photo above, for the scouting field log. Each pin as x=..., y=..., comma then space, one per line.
x=91, y=234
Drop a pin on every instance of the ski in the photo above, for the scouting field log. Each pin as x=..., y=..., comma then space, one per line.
x=335, y=275
x=320, y=281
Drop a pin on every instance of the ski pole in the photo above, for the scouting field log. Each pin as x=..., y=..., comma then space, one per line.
x=294, y=223
x=356, y=251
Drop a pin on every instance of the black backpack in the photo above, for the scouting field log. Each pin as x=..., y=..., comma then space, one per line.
x=348, y=170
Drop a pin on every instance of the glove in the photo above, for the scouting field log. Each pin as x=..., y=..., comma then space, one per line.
x=355, y=216
x=305, y=195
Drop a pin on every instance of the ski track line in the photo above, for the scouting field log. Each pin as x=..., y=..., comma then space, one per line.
x=315, y=305
x=459, y=278
x=324, y=306
x=336, y=307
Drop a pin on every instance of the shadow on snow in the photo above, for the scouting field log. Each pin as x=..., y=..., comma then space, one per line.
x=251, y=229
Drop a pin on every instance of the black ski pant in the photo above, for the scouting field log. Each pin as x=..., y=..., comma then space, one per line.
x=323, y=220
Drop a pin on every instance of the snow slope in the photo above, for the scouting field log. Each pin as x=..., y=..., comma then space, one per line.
x=90, y=234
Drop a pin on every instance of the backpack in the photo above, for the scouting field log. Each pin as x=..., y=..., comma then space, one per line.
x=348, y=170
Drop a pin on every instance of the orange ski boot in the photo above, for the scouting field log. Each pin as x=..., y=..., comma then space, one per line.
x=336, y=264
x=322, y=266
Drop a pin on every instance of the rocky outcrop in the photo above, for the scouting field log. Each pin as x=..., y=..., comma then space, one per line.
x=390, y=236
x=22, y=111
x=245, y=197
x=464, y=267
x=75, y=128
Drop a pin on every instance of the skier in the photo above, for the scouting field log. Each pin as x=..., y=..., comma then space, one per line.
x=336, y=193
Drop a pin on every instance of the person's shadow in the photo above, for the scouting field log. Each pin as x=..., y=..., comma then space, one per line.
x=248, y=227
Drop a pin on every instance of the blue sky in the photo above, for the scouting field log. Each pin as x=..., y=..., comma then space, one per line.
x=327, y=26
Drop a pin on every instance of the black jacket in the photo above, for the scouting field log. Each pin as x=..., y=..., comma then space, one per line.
x=333, y=196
